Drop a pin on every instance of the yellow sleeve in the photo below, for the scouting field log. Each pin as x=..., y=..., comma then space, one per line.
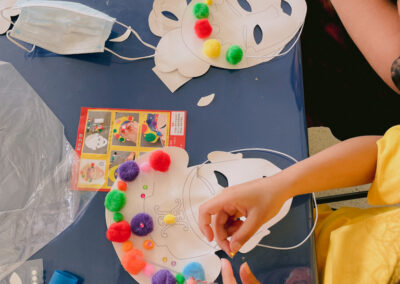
x=385, y=188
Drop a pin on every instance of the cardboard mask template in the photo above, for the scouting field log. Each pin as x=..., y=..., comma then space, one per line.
x=180, y=192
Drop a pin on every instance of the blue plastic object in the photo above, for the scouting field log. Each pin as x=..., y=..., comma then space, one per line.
x=63, y=277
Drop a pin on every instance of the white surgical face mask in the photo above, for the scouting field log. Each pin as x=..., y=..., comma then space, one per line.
x=65, y=27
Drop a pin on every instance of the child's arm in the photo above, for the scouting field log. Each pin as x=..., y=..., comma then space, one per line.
x=348, y=163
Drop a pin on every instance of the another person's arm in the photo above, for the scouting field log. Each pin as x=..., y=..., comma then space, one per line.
x=348, y=163
x=374, y=26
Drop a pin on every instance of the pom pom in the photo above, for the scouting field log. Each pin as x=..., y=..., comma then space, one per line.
x=163, y=277
x=149, y=270
x=180, y=279
x=142, y=224
x=195, y=270
x=127, y=246
x=148, y=244
x=208, y=2
x=160, y=161
x=201, y=11
x=234, y=54
x=212, y=48
x=202, y=28
x=118, y=217
x=169, y=219
x=150, y=137
x=122, y=185
x=119, y=232
x=145, y=167
x=128, y=171
x=133, y=261
x=115, y=200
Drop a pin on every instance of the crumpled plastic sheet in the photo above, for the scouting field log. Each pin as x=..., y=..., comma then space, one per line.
x=36, y=162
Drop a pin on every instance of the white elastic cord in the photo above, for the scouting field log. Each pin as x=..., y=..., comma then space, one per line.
x=9, y=37
x=128, y=58
x=137, y=36
x=283, y=53
x=313, y=195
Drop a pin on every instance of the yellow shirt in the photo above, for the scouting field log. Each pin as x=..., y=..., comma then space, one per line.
x=363, y=245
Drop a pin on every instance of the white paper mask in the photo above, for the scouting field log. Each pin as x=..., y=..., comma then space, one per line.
x=180, y=192
x=180, y=56
x=95, y=141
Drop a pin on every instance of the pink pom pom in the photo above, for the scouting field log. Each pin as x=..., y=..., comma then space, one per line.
x=149, y=270
x=145, y=167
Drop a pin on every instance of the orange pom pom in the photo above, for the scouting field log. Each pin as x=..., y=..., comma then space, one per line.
x=122, y=185
x=133, y=261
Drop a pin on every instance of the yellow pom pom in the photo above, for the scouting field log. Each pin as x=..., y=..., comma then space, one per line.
x=208, y=2
x=169, y=219
x=212, y=48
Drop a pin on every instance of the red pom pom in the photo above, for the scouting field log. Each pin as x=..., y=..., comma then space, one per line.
x=133, y=261
x=122, y=185
x=160, y=161
x=119, y=232
x=202, y=28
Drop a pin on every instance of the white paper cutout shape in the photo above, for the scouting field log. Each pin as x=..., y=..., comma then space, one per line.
x=206, y=100
x=7, y=13
x=180, y=192
x=180, y=49
x=95, y=141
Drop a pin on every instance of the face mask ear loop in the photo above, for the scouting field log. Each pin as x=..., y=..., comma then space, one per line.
x=137, y=36
x=128, y=58
x=9, y=37
x=287, y=51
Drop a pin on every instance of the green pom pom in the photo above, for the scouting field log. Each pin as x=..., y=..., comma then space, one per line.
x=118, y=217
x=122, y=139
x=150, y=137
x=201, y=11
x=115, y=200
x=180, y=279
x=234, y=54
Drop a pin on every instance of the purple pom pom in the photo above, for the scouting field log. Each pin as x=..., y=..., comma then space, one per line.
x=163, y=277
x=128, y=171
x=142, y=224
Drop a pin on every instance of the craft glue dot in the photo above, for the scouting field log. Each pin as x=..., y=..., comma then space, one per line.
x=145, y=187
x=143, y=195
x=169, y=219
x=34, y=278
x=212, y=48
x=34, y=272
x=173, y=263
x=141, y=225
x=148, y=244
x=164, y=259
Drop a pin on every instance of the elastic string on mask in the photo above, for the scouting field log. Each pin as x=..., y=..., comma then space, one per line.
x=10, y=38
x=283, y=53
x=140, y=39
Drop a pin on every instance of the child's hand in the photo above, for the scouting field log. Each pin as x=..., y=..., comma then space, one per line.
x=257, y=200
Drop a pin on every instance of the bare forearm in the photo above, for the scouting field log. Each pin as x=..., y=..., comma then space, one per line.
x=349, y=163
x=374, y=26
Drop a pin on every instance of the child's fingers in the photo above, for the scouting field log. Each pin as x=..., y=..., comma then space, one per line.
x=221, y=233
x=227, y=272
x=245, y=231
x=206, y=211
x=246, y=275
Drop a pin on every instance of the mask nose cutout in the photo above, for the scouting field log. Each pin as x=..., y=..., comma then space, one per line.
x=286, y=8
x=222, y=179
x=170, y=15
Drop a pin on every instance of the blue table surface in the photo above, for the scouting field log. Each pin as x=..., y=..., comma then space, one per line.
x=262, y=106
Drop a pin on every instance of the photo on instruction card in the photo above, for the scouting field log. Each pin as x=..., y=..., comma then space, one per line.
x=97, y=130
x=125, y=129
x=117, y=158
x=91, y=172
x=153, y=130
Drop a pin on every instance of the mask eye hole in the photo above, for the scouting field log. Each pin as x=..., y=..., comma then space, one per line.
x=169, y=15
x=286, y=8
x=221, y=178
x=258, y=34
x=245, y=5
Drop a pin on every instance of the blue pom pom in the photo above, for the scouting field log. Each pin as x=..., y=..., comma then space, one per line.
x=128, y=171
x=195, y=270
x=142, y=224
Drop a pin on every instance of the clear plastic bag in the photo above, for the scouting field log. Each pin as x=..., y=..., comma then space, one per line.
x=36, y=161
